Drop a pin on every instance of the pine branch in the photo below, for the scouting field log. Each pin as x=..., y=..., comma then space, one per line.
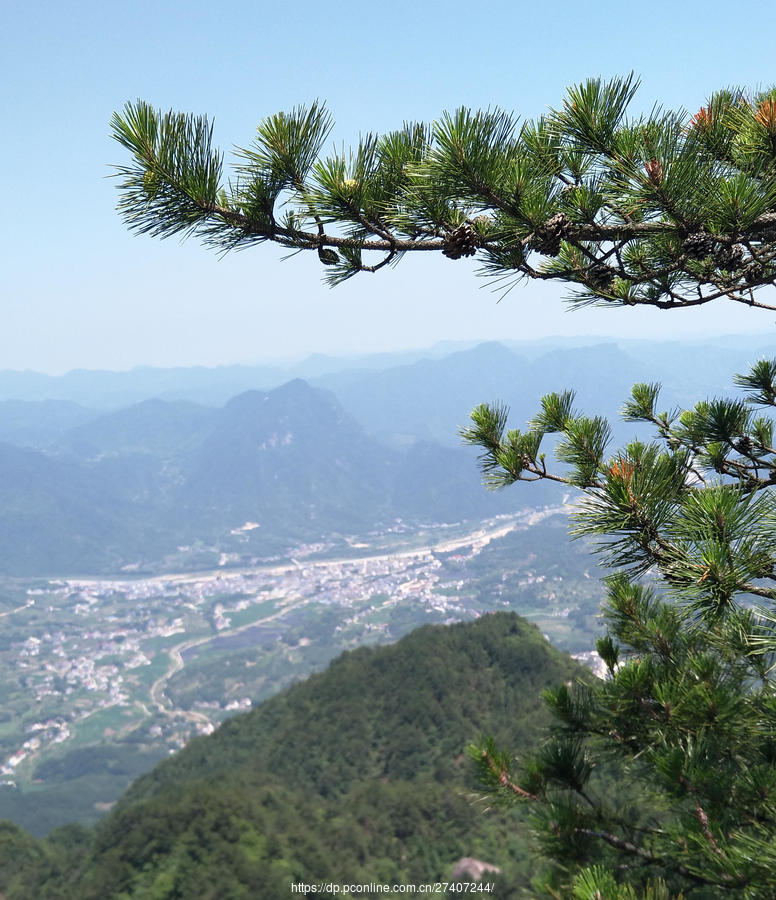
x=628, y=213
x=630, y=849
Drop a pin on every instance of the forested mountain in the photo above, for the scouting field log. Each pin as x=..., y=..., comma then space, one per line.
x=129, y=486
x=358, y=774
x=62, y=514
x=154, y=427
x=290, y=457
x=40, y=423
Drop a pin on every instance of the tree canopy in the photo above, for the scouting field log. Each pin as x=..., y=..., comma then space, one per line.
x=667, y=210
x=685, y=720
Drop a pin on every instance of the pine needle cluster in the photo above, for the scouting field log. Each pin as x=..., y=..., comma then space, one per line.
x=667, y=210
x=684, y=722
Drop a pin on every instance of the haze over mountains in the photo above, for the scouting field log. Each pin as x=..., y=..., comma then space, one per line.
x=696, y=365
x=135, y=484
x=97, y=487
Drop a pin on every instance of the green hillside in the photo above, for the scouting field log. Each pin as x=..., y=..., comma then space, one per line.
x=134, y=486
x=357, y=774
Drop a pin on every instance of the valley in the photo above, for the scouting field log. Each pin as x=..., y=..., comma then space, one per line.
x=122, y=671
x=168, y=564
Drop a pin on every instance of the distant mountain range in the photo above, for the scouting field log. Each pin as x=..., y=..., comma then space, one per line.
x=89, y=483
x=689, y=366
x=130, y=486
x=212, y=386
x=431, y=398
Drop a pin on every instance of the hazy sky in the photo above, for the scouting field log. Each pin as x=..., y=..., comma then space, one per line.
x=79, y=291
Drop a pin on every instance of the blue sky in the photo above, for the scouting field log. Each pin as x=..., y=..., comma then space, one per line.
x=80, y=291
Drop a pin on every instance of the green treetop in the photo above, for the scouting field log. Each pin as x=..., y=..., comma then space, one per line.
x=684, y=723
x=659, y=781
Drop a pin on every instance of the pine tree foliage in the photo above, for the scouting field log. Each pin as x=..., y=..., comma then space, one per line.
x=666, y=210
x=685, y=720
x=669, y=210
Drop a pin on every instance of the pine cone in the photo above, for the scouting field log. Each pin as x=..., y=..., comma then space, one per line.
x=744, y=444
x=547, y=237
x=698, y=245
x=328, y=257
x=462, y=241
x=730, y=258
x=754, y=272
x=599, y=277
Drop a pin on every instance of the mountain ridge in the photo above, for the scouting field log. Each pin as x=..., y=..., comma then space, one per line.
x=130, y=487
x=357, y=773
